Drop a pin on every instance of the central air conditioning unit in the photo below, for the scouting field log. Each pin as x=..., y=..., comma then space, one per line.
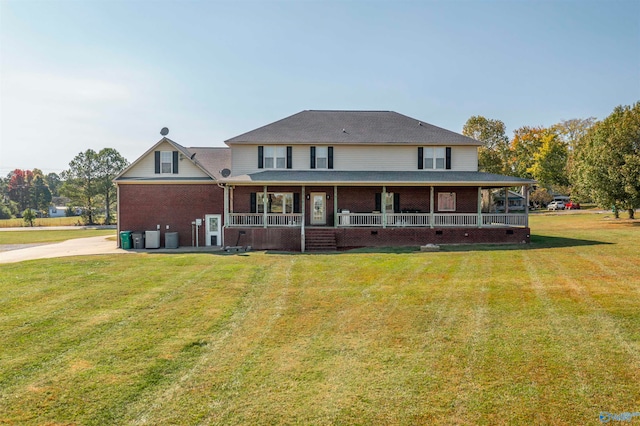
x=152, y=239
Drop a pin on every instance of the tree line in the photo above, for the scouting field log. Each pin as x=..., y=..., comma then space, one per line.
x=590, y=160
x=86, y=186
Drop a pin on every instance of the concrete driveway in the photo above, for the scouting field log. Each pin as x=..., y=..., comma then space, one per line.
x=75, y=247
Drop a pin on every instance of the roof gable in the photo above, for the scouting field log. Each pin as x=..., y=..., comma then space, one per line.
x=207, y=166
x=352, y=127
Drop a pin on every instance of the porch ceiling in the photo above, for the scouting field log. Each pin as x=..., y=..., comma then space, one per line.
x=376, y=178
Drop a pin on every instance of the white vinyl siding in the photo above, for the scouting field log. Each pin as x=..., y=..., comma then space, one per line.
x=356, y=157
x=145, y=168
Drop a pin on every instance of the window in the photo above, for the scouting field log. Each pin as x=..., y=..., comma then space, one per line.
x=276, y=202
x=166, y=162
x=321, y=157
x=447, y=201
x=275, y=157
x=438, y=158
x=434, y=158
x=389, y=202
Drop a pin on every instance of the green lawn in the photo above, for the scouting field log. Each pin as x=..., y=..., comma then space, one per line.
x=547, y=333
x=50, y=236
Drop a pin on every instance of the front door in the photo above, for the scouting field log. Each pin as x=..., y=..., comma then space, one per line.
x=318, y=208
x=214, y=236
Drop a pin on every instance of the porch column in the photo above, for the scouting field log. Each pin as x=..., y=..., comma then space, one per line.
x=506, y=201
x=302, y=210
x=226, y=206
x=335, y=206
x=525, y=188
x=383, y=206
x=479, y=207
x=264, y=207
x=431, y=217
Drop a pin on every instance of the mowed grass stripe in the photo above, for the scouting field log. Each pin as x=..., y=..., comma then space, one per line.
x=539, y=334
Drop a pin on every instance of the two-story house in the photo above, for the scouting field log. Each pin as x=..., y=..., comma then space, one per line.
x=326, y=180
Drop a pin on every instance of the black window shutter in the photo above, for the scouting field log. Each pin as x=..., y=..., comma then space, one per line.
x=289, y=157
x=396, y=203
x=175, y=162
x=296, y=202
x=378, y=202
x=253, y=207
x=261, y=157
x=157, y=153
x=330, y=159
x=312, y=165
x=420, y=158
x=448, y=158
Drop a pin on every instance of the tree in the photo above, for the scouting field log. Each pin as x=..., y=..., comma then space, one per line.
x=541, y=197
x=111, y=163
x=54, y=182
x=89, y=180
x=29, y=215
x=571, y=131
x=549, y=166
x=19, y=187
x=81, y=183
x=607, y=161
x=493, y=155
x=40, y=193
x=525, y=143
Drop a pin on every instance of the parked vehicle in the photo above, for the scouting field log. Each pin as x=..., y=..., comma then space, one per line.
x=555, y=205
x=572, y=206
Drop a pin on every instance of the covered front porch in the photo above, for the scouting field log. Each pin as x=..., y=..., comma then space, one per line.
x=312, y=218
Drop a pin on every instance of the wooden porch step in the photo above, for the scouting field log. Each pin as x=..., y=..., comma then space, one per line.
x=320, y=240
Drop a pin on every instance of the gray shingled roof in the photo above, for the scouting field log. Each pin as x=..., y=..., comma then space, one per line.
x=333, y=177
x=359, y=127
x=212, y=159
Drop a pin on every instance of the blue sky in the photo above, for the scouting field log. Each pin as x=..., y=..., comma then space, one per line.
x=93, y=74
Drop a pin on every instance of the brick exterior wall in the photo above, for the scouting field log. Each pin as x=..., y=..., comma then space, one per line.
x=143, y=207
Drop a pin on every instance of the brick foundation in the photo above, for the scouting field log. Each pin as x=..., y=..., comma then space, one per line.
x=288, y=239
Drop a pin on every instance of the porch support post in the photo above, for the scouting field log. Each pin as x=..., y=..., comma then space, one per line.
x=303, y=211
x=226, y=206
x=383, y=206
x=506, y=200
x=479, y=207
x=264, y=207
x=335, y=206
x=525, y=188
x=431, y=217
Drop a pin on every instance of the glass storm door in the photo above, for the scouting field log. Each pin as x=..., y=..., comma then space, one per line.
x=318, y=208
x=214, y=236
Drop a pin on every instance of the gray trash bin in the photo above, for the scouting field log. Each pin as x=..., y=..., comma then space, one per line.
x=171, y=240
x=138, y=240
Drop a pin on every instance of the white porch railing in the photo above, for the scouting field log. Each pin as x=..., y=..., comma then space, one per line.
x=408, y=219
x=455, y=219
x=359, y=219
x=411, y=220
x=502, y=219
x=257, y=219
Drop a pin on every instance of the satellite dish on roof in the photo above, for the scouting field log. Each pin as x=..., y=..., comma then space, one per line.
x=164, y=131
x=225, y=172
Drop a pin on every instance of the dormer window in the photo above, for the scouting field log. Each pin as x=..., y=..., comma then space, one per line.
x=434, y=158
x=166, y=162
